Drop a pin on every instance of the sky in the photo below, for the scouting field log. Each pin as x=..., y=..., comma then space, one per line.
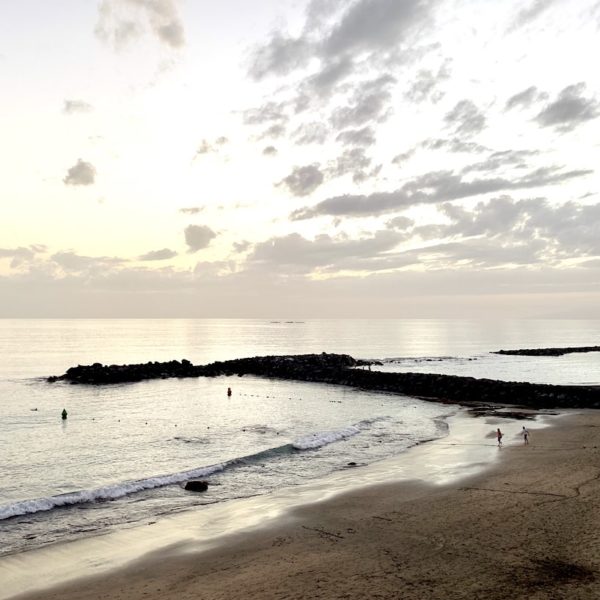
x=300, y=159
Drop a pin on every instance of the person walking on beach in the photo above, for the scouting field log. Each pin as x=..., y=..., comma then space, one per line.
x=525, y=433
x=499, y=436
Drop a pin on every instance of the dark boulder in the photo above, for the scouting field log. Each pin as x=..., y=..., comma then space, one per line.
x=196, y=486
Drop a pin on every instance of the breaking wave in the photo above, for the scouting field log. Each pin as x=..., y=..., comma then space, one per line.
x=120, y=490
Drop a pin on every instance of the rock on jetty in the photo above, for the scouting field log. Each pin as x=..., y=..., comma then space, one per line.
x=548, y=351
x=98, y=374
x=341, y=369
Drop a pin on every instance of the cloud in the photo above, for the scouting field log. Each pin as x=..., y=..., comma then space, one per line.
x=207, y=147
x=72, y=262
x=267, y=113
x=20, y=256
x=357, y=137
x=331, y=276
x=525, y=98
x=498, y=216
x=366, y=26
x=450, y=292
x=504, y=158
x=82, y=173
x=400, y=223
x=204, y=148
x=274, y=131
x=370, y=25
x=319, y=11
x=163, y=254
x=280, y=56
x=76, y=106
x=465, y=119
x=483, y=253
x=338, y=66
x=303, y=181
x=403, y=157
x=369, y=102
x=21, y=252
x=241, y=247
x=352, y=161
x=271, y=114
x=325, y=80
x=300, y=255
x=432, y=188
x=573, y=227
x=425, y=86
x=311, y=133
x=590, y=264
x=570, y=109
x=338, y=41
x=453, y=145
x=530, y=13
x=198, y=237
x=551, y=232
x=269, y=151
x=192, y=210
x=120, y=22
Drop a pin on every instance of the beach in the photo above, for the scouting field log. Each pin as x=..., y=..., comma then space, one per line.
x=524, y=526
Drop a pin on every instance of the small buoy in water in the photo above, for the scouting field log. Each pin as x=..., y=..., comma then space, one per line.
x=229, y=391
x=64, y=414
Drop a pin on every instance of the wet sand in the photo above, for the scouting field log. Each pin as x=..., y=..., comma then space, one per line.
x=526, y=527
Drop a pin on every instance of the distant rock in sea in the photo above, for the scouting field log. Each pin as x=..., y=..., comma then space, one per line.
x=548, y=351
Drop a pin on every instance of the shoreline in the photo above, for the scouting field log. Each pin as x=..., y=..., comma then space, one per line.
x=468, y=450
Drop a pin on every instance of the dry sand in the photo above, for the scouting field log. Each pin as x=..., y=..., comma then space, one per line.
x=528, y=527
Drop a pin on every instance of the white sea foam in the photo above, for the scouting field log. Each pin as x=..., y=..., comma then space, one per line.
x=113, y=492
x=323, y=438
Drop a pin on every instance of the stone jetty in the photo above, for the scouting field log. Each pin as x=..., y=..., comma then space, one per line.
x=548, y=351
x=341, y=369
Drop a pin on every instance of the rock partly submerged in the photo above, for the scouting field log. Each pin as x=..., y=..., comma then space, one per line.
x=342, y=369
x=196, y=486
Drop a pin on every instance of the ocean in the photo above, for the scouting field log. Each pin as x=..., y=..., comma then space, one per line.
x=121, y=458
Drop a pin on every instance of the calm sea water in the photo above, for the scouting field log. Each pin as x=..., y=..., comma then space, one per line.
x=123, y=454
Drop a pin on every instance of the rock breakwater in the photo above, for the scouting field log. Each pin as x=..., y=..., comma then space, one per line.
x=342, y=369
x=548, y=351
